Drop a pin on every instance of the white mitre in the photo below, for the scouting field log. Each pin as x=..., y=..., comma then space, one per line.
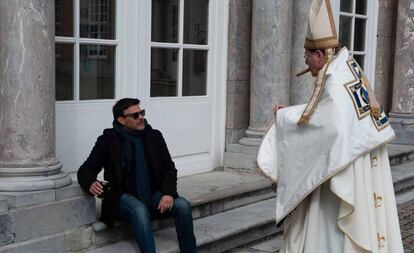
x=321, y=32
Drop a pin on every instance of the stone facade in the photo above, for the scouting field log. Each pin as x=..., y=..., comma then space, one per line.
x=270, y=83
x=402, y=112
x=385, y=52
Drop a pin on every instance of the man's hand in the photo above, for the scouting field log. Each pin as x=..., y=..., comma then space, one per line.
x=278, y=107
x=166, y=203
x=96, y=188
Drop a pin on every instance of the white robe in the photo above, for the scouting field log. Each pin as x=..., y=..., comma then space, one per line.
x=325, y=171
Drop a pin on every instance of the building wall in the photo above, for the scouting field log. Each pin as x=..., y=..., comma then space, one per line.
x=387, y=15
x=239, y=69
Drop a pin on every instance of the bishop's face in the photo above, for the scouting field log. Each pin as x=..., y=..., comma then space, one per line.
x=315, y=59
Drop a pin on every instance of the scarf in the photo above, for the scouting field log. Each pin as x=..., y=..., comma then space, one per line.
x=133, y=142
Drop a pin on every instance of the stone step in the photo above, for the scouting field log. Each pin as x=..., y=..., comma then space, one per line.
x=239, y=161
x=213, y=190
x=209, y=193
x=215, y=233
x=271, y=244
x=403, y=177
x=400, y=154
x=47, y=226
x=4, y=205
x=238, y=148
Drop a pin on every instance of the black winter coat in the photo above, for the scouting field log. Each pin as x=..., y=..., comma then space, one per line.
x=107, y=154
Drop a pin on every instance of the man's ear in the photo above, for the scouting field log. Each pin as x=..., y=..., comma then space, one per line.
x=121, y=120
x=320, y=53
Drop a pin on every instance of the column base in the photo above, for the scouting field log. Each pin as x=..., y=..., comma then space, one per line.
x=47, y=221
x=243, y=155
x=253, y=138
x=403, y=125
x=34, y=183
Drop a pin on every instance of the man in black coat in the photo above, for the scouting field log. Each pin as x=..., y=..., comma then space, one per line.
x=141, y=176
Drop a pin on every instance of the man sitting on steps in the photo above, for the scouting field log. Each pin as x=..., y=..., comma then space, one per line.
x=142, y=178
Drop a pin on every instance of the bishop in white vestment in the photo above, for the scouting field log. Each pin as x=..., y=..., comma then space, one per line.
x=329, y=159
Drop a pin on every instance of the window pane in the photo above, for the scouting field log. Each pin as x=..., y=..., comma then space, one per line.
x=97, y=19
x=164, y=63
x=64, y=18
x=97, y=72
x=64, y=71
x=359, y=36
x=360, y=59
x=195, y=21
x=345, y=31
x=361, y=7
x=194, y=73
x=346, y=5
x=164, y=24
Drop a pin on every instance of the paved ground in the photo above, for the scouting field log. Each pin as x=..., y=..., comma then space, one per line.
x=405, y=213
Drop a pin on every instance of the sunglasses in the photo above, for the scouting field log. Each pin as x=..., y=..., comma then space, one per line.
x=135, y=115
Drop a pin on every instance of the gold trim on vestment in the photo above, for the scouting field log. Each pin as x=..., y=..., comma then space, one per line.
x=380, y=128
x=353, y=82
x=324, y=43
x=381, y=241
x=374, y=107
x=319, y=85
x=377, y=200
x=374, y=162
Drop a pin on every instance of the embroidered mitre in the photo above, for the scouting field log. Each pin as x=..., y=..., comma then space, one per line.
x=321, y=33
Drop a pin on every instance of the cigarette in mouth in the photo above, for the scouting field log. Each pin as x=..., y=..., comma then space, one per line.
x=302, y=72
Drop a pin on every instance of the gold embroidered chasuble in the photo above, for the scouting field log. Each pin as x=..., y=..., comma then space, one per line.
x=342, y=147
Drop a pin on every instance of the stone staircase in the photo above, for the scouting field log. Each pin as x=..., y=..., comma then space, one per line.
x=230, y=209
x=402, y=169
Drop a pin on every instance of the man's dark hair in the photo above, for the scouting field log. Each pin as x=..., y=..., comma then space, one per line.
x=123, y=104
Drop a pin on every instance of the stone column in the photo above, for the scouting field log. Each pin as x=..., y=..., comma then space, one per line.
x=402, y=112
x=27, y=97
x=301, y=87
x=270, y=64
x=238, y=69
x=384, y=63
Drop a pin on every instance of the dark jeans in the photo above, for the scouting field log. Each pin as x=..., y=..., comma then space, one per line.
x=137, y=214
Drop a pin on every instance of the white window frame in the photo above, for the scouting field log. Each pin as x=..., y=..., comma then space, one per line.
x=181, y=46
x=216, y=66
x=132, y=79
x=370, y=34
x=77, y=41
